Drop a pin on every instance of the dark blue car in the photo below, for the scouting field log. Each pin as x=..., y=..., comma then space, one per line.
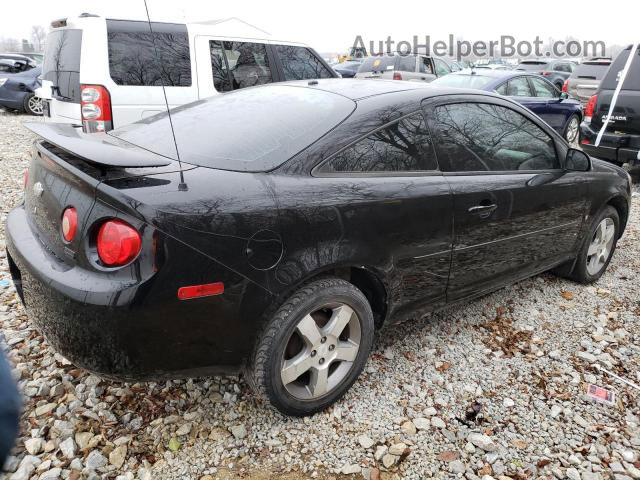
x=17, y=88
x=533, y=91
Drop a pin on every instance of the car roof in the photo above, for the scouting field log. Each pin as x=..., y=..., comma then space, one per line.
x=493, y=73
x=359, y=89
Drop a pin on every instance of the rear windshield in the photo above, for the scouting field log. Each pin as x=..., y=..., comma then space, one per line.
x=377, y=64
x=253, y=129
x=132, y=53
x=62, y=63
x=464, y=81
x=632, y=81
x=591, y=70
x=532, y=65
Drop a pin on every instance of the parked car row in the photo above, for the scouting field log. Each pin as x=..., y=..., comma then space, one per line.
x=19, y=79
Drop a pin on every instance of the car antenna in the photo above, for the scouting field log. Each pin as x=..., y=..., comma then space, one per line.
x=182, y=186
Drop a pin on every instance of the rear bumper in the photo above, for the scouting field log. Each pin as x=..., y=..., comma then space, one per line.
x=125, y=330
x=618, y=149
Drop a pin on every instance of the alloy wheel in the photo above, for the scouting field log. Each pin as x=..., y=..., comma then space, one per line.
x=572, y=131
x=601, y=245
x=321, y=351
x=35, y=105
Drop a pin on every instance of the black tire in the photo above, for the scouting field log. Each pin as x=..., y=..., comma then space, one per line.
x=580, y=272
x=29, y=106
x=566, y=129
x=264, y=369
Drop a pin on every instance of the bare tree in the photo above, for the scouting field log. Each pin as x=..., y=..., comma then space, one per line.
x=38, y=35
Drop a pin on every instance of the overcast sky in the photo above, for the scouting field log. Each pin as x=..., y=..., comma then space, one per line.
x=331, y=25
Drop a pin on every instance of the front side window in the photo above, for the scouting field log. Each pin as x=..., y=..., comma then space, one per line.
x=425, y=65
x=138, y=57
x=441, y=67
x=476, y=137
x=542, y=88
x=403, y=146
x=518, y=87
x=298, y=63
x=406, y=63
x=237, y=65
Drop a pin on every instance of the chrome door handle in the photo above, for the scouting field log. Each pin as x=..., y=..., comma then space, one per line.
x=483, y=210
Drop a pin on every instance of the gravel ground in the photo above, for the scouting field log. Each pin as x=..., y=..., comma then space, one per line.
x=492, y=389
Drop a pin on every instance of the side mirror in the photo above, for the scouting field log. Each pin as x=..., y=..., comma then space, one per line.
x=577, y=161
x=564, y=95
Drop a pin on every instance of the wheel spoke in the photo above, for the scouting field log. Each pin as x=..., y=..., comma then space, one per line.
x=593, y=264
x=339, y=319
x=347, y=351
x=308, y=329
x=610, y=231
x=319, y=381
x=593, y=249
x=295, y=367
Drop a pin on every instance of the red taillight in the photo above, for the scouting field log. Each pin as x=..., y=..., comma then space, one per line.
x=590, y=108
x=118, y=243
x=206, y=290
x=69, y=224
x=95, y=107
x=26, y=178
x=565, y=86
x=545, y=74
x=397, y=76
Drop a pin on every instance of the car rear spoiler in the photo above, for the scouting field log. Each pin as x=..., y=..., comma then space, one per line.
x=97, y=148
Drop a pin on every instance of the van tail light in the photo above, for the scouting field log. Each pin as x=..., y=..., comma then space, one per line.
x=565, y=86
x=118, y=243
x=95, y=107
x=397, y=76
x=69, y=224
x=590, y=108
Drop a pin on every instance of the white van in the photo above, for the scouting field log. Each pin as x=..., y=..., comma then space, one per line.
x=104, y=73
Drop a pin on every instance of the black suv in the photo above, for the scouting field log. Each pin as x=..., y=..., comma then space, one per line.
x=620, y=143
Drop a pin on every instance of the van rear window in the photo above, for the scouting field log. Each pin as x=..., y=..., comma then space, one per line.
x=591, y=70
x=378, y=64
x=61, y=64
x=132, y=53
x=632, y=81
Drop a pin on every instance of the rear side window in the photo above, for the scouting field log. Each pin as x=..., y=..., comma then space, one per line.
x=538, y=66
x=542, y=88
x=298, y=63
x=406, y=64
x=471, y=137
x=632, y=81
x=132, y=54
x=61, y=64
x=239, y=64
x=518, y=87
x=441, y=67
x=403, y=146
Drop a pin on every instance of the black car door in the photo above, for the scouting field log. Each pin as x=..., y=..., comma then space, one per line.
x=516, y=212
x=385, y=190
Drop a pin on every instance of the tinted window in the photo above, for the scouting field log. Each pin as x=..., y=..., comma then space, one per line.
x=298, y=63
x=441, y=67
x=464, y=81
x=482, y=137
x=542, y=88
x=403, y=146
x=62, y=63
x=632, y=81
x=533, y=65
x=132, y=54
x=592, y=71
x=239, y=64
x=252, y=129
x=502, y=89
x=378, y=64
x=518, y=87
x=406, y=63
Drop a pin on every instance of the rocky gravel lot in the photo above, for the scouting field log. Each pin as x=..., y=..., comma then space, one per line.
x=492, y=389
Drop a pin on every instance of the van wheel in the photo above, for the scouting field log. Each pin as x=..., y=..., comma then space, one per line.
x=597, y=248
x=33, y=105
x=313, y=348
x=572, y=130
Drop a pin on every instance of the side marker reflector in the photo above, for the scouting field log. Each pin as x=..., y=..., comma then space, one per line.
x=196, y=291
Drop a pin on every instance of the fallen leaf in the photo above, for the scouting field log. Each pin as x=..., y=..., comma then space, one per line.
x=543, y=463
x=174, y=444
x=448, y=456
x=566, y=295
x=444, y=367
x=375, y=474
x=519, y=443
x=486, y=470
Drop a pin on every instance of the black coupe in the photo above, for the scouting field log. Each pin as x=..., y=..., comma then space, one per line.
x=300, y=218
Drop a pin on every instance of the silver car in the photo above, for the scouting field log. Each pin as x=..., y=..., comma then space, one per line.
x=418, y=68
x=585, y=79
